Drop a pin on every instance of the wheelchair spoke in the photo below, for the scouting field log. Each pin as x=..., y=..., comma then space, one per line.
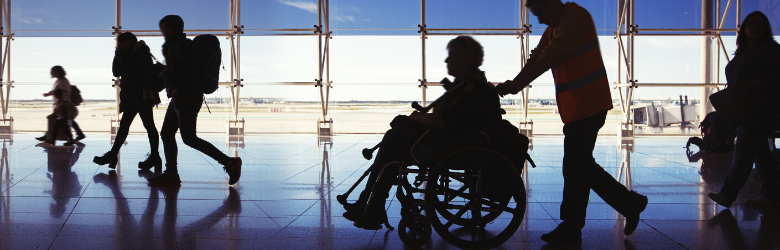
x=495, y=206
x=459, y=191
x=457, y=215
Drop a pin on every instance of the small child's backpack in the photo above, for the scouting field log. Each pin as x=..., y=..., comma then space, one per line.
x=211, y=58
x=716, y=135
x=75, y=95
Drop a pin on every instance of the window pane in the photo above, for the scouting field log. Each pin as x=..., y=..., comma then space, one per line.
x=50, y=18
x=197, y=14
x=358, y=17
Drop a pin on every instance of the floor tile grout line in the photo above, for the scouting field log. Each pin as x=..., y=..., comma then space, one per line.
x=659, y=231
x=316, y=164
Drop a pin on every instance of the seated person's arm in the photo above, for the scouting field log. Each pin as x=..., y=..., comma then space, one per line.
x=429, y=120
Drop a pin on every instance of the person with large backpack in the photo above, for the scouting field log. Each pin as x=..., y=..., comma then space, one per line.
x=188, y=76
x=138, y=95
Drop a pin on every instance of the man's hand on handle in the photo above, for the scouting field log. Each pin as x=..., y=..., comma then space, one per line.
x=506, y=88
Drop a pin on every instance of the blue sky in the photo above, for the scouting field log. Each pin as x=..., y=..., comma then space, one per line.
x=359, y=64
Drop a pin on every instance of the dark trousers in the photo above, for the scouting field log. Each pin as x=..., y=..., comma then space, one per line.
x=62, y=124
x=146, y=118
x=751, y=147
x=75, y=127
x=395, y=146
x=581, y=173
x=184, y=117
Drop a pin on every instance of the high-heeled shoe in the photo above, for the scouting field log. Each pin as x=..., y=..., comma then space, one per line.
x=151, y=161
x=109, y=158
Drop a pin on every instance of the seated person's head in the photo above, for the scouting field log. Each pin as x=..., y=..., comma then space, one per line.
x=58, y=93
x=464, y=56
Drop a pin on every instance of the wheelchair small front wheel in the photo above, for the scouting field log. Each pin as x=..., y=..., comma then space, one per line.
x=414, y=230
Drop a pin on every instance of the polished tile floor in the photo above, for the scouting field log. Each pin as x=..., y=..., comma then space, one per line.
x=56, y=198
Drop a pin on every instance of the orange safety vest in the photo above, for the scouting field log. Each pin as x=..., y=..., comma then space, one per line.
x=581, y=85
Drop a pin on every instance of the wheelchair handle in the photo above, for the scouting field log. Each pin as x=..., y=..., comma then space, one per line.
x=420, y=108
x=446, y=95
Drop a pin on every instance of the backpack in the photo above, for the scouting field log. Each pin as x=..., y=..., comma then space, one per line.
x=210, y=58
x=75, y=95
x=716, y=135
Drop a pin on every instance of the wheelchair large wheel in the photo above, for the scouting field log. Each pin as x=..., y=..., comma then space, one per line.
x=475, y=198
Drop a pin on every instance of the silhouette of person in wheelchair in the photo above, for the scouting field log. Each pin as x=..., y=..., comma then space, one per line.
x=470, y=104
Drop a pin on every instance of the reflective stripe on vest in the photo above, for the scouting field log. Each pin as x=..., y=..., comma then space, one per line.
x=581, y=85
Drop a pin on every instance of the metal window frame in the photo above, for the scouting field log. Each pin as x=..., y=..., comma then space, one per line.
x=627, y=30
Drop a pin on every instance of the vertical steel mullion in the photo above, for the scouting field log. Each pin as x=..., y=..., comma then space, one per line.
x=2, y=97
x=327, y=56
x=238, y=56
x=116, y=35
x=7, y=61
x=527, y=15
x=320, y=9
x=739, y=14
x=423, y=37
x=629, y=95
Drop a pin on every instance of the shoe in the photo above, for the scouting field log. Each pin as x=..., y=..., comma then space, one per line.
x=373, y=217
x=563, y=235
x=70, y=143
x=233, y=169
x=42, y=138
x=763, y=201
x=636, y=207
x=109, y=158
x=721, y=199
x=79, y=138
x=165, y=178
x=150, y=162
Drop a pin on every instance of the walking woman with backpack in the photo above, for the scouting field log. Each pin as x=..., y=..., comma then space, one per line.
x=754, y=70
x=139, y=93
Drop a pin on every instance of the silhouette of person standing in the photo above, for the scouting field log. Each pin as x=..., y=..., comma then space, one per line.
x=569, y=46
x=133, y=63
x=181, y=84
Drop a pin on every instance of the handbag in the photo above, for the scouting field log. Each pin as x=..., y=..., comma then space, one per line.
x=737, y=102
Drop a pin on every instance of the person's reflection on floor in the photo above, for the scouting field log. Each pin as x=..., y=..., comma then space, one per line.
x=131, y=230
x=138, y=233
x=64, y=182
x=189, y=233
x=735, y=238
x=713, y=167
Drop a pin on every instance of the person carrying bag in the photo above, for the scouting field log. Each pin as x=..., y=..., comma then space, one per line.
x=750, y=104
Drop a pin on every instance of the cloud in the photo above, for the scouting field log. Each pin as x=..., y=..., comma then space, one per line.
x=343, y=18
x=31, y=20
x=307, y=6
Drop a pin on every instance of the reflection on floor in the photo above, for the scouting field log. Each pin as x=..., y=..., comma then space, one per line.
x=56, y=198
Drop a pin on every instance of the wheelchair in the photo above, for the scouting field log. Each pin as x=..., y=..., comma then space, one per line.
x=456, y=185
